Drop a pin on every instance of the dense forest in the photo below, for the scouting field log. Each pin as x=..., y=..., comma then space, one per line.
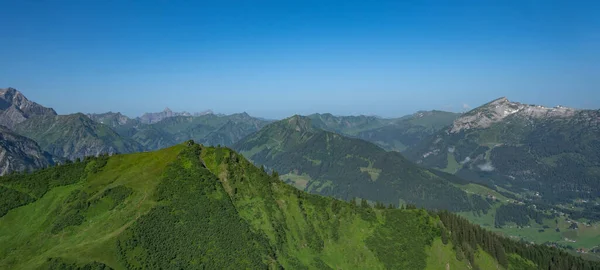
x=467, y=238
x=519, y=214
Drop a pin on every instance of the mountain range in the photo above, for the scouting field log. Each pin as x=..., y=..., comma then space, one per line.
x=503, y=165
x=393, y=134
x=79, y=135
x=152, y=118
x=207, y=128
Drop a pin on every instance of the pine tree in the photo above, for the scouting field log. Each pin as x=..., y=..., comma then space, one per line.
x=444, y=235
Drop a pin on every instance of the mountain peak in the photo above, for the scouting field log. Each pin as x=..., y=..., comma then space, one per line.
x=9, y=90
x=298, y=123
x=498, y=109
x=11, y=94
x=16, y=108
x=500, y=100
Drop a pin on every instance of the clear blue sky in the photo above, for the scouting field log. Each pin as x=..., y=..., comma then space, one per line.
x=277, y=58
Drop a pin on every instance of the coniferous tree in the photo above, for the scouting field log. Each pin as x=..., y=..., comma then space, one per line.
x=444, y=235
x=364, y=204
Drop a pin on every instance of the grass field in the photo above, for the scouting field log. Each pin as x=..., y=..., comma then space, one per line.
x=440, y=255
x=453, y=165
x=24, y=232
x=298, y=181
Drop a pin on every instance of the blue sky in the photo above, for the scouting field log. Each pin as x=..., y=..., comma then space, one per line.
x=278, y=58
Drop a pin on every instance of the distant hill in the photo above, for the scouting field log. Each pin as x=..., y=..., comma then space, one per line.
x=330, y=164
x=195, y=207
x=548, y=155
x=392, y=134
x=16, y=108
x=75, y=136
x=18, y=153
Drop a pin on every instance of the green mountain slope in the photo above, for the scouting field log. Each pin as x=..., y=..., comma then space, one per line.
x=330, y=164
x=193, y=207
x=74, y=136
x=547, y=155
x=18, y=153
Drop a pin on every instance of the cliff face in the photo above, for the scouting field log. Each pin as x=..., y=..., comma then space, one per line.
x=18, y=153
x=16, y=108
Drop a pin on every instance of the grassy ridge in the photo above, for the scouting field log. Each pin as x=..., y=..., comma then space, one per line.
x=29, y=245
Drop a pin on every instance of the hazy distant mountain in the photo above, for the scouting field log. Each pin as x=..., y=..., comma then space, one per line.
x=331, y=164
x=395, y=134
x=152, y=118
x=75, y=136
x=405, y=132
x=209, y=129
x=203, y=113
x=547, y=154
x=347, y=125
x=205, y=127
x=118, y=122
x=16, y=108
x=18, y=153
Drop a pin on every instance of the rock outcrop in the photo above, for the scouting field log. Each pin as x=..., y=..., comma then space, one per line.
x=16, y=108
x=18, y=153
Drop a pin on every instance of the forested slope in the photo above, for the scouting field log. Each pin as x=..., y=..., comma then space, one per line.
x=333, y=165
x=194, y=207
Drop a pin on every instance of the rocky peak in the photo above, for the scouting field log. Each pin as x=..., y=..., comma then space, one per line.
x=18, y=153
x=16, y=108
x=499, y=109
